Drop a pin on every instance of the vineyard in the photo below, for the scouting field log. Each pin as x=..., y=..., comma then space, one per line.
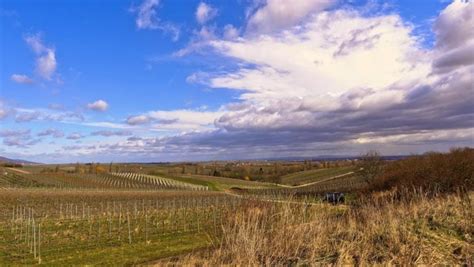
x=315, y=191
x=60, y=226
x=64, y=218
x=94, y=181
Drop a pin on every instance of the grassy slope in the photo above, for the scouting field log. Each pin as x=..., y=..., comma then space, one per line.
x=104, y=254
x=381, y=232
x=223, y=183
x=304, y=177
x=214, y=183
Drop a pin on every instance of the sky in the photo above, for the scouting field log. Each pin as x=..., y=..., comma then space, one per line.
x=186, y=80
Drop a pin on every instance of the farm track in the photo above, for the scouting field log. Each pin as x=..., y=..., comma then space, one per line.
x=17, y=170
x=280, y=201
x=316, y=182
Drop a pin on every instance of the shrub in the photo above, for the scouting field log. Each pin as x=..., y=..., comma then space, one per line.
x=431, y=172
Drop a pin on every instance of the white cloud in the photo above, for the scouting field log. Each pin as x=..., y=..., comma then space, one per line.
x=333, y=82
x=206, y=33
x=12, y=133
x=276, y=15
x=454, y=37
x=230, y=32
x=205, y=12
x=146, y=15
x=3, y=113
x=147, y=18
x=21, y=78
x=46, y=64
x=46, y=58
x=454, y=26
x=176, y=120
x=36, y=44
x=139, y=119
x=51, y=132
x=108, y=133
x=374, y=52
x=74, y=136
x=99, y=105
x=18, y=138
x=185, y=116
x=336, y=77
x=27, y=116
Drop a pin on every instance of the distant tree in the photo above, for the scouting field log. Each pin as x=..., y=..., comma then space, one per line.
x=370, y=166
x=110, y=167
x=99, y=169
x=56, y=169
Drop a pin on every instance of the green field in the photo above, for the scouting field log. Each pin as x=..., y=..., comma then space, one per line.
x=59, y=216
x=310, y=176
x=223, y=183
x=69, y=226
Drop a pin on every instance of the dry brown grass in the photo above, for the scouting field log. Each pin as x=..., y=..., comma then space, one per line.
x=382, y=230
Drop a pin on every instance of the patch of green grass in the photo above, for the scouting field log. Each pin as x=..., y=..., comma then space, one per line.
x=211, y=185
x=108, y=254
x=304, y=177
x=224, y=183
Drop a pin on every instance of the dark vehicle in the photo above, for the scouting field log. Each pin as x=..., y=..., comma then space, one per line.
x=334, y=198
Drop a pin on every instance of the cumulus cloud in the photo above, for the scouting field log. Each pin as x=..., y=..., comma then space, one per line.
x=138, y=119
x=147, y=18
x=21, y=78
x=18, y=138
x=323, y=82
x=40, y=114
x=107, y=133
x=146, y=14
x=46, y=57
x=27, y=116
x=351, y=77
x=276, y=15
x=454, y=37
x=5, y=110
x=99, y=105
x=176, y=120
x=51, y=132
x=230, y=32
x=74, y=136
x=205, y=12
x=12, y=133
x=3, y=113
x=353, y=82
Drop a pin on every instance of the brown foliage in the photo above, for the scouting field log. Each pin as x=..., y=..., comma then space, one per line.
x=381, y=231
x=431, y=172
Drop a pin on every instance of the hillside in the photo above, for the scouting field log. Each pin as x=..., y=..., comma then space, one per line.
x=4, y=160
x=304, y=177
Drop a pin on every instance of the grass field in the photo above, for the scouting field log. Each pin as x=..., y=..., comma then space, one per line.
x=58, y=216
x=223, y=183
x=310, y=176
x=68, y=227
x=379, y=231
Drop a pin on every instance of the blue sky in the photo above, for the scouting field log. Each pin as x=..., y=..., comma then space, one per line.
x=197, y=80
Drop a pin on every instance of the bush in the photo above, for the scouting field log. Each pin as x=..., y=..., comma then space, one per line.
x=431, y=172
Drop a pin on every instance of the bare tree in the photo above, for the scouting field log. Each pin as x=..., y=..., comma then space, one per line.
x=370, y=166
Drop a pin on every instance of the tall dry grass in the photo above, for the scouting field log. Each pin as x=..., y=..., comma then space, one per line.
x=381, y=229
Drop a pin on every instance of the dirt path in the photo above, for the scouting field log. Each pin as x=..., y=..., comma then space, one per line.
x=19, y=171
x=324, y=180
x=272, y=200
x=316, y=182
x=289, y=186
